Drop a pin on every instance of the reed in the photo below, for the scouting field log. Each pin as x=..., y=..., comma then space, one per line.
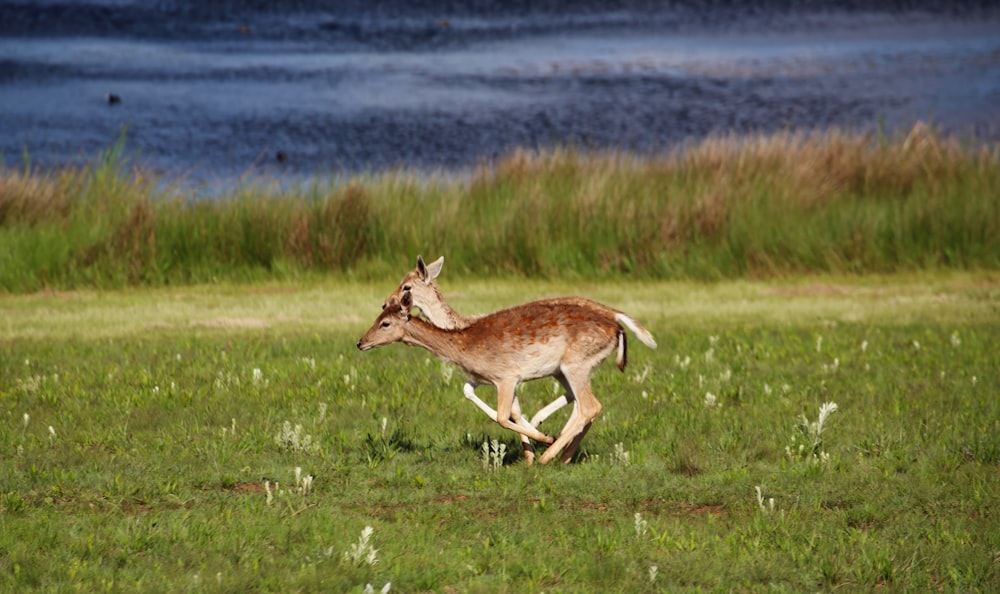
x=725, y=207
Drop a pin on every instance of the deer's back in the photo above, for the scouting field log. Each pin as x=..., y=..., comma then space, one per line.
x=535, y=339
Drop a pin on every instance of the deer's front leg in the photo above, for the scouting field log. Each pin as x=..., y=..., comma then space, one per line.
x=529, y=450
x=505, y=409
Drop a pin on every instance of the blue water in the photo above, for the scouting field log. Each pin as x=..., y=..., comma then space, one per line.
x=220, y=89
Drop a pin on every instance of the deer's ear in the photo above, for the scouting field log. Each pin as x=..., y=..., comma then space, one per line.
x=433, y=270
x=407, y=300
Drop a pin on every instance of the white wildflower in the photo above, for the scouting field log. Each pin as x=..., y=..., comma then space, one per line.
x=620, y=457
x=710, y=399
x=362, y=551
x=825, y=410
x=640, y=525
x=295, y=440
x=493, y=453
x=447, y=371
x=641, y=377
x=760, y=501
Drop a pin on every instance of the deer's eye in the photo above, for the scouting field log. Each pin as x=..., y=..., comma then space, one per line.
x=385, y=324
x=383, y=306
x=407, y=288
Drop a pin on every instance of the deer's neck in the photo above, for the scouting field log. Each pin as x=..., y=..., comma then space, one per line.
x=444, y=344
x=441, y=314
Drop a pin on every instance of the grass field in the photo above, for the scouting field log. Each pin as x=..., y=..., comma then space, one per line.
x=151, y=440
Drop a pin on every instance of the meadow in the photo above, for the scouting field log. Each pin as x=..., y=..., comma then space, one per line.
x=231, y=438
x=183, y=408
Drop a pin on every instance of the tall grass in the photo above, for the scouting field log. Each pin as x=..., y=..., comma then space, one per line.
x=726, y=207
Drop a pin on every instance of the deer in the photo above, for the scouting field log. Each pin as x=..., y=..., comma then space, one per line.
x=547, y=338
x=421, y=283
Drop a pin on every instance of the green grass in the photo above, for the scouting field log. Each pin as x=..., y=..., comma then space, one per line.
x=162, y=435
x=726, y=208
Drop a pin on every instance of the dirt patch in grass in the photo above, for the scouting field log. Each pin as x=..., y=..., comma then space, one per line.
x=248, y=488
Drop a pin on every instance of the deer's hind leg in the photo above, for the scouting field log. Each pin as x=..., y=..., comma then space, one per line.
x=526, y=445
x=586, y=408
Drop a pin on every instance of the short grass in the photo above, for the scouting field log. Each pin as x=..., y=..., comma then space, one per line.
x=142, y=431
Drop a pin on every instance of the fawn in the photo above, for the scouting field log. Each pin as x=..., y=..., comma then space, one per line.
x=564, y=339
x=426, y=295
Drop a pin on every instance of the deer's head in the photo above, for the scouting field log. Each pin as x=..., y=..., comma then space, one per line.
x=390, y=325
x=419, y=283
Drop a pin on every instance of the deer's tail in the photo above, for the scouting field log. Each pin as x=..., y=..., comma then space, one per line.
x=641, y=333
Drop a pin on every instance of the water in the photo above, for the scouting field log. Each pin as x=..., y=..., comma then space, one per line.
x=220, y=89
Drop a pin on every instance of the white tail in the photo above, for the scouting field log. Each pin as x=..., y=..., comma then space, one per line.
x=545, y=338
x=641, y=333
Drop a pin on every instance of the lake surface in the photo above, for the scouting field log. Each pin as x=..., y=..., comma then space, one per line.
x=297, y=88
